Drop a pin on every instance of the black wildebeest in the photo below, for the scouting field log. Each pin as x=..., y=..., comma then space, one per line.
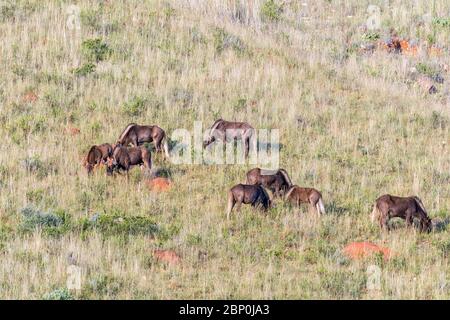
x=124, y=158
x=228, y=131
x=97, y=155
x=277, y=181
x=297, y=195
x=137, y=135
x=408, y=208
x=248, y=194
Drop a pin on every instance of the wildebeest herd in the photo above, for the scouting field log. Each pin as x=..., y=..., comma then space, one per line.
x=129, y=150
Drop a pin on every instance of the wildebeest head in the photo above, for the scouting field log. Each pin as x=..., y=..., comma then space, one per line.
x=89, y=167
x=111, y=165
x=208, y=141
x=426, y=224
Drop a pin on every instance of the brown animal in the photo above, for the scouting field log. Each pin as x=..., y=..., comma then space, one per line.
x=124, y=158
x=297, y=195
x=408, y=208
x=136, y=135
x=97, y=155
x=227, y=131
x=277, y=181
x=248, y=194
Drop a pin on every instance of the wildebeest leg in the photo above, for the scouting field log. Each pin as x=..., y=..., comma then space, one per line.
x=134, y=141
x=384, y=222
x=409, y=218
x=238, y=206
x=157, y=141
x=246, y=146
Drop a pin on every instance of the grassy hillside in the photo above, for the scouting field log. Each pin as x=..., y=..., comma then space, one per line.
x=352, y=124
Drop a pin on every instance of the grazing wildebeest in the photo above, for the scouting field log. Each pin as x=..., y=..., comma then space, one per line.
x=297, y=195
x=277, y=181
x=97, y=155
x=228, y=131
x=137, y=135
x=124, y=158
x=247, y=194
x=408, y=208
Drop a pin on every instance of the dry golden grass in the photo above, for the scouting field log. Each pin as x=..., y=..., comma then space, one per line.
x=352, y=125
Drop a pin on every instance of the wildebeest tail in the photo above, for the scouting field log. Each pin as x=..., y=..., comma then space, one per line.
x=320, y=206
x=286, y=177
x=376, y=213
x=166, y=147
x=266, y=194
x=420, y=204
x=126, y=130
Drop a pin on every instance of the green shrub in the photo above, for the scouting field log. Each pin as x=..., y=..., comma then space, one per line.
x=7, y=10
x=119, y=224
x=426, y=69
x=85, y=69
x=38, y=167
x=271, y=11
x=101, y=286
x=224, y=40
x=95, y=50
x=371, y=36
x=89, y=18
x=135, y=107
x=443, y=22
x=33, y=218
x=59, y=294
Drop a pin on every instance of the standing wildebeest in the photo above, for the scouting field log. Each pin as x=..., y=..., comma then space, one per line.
x=136, y=135
x=247, y=194
x=408, y=208
x=230, y=131
x=97, y=155
x=277, y=181
x=297, y=195
x=123, y=158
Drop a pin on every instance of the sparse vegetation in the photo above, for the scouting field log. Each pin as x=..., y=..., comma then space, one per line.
x=352, y=125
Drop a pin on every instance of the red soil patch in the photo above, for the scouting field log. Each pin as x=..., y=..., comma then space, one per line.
x=408, y=49
x=159, y=184
x=30, y=97
x=167, y=256
x=72, y=131
x=360, y=250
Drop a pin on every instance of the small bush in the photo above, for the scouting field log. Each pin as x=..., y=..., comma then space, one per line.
x=89, y=18
x=51, y=223
x=59, y=294
x=101, y=286
x=118, y=224
x=426, y=69
x=135, y=107
x=36, y=166
x=442, y=22
x=7, y=10
x=95, y=50
x=224, y=40
x=84, y=70
x=371, y=36
x=438, y=121
x=271, y=11
x=33, y=218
